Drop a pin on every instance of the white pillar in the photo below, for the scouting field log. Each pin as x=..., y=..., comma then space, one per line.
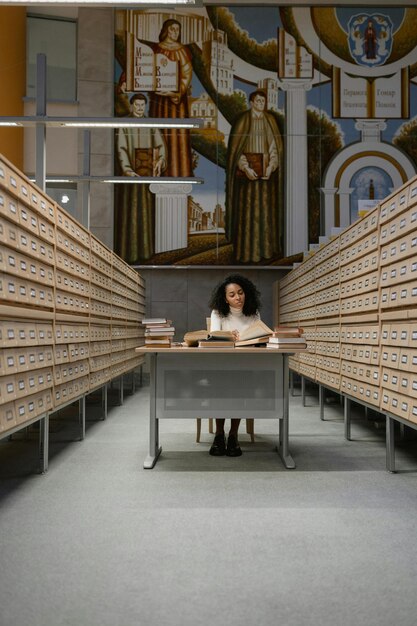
x=327, y=219
x=296, y=165
x=344, y=206
x=171, y=216
x=370, y=130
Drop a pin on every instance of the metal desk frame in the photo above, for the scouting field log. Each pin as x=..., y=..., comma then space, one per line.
x=154, y=447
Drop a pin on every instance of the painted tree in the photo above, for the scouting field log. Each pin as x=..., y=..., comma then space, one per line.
x=406, y=139
x=323, y=140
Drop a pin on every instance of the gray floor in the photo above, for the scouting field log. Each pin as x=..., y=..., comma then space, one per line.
x=98, y=541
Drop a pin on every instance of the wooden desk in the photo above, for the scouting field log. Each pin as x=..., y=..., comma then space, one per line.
x=248, y=382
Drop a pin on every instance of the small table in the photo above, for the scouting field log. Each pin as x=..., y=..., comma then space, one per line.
x=246, y=382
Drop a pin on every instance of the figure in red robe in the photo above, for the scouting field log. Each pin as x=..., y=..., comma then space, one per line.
x=170, y=104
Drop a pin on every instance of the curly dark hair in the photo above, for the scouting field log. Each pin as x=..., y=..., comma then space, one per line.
x=218, y=300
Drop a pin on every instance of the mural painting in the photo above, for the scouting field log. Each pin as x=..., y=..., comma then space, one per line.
x=309, y=117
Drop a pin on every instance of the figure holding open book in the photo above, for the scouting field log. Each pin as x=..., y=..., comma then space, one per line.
x=253, y=194
x=140, y=152
x=174, y=104
x=235, y=304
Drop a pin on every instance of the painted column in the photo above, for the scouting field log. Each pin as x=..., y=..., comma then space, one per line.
x=328, y=218
x=171, y=216
x=370, y=130
x=296, y=165
x=344, y=206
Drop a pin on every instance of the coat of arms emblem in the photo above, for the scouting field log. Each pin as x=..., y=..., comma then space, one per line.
x=370, y=38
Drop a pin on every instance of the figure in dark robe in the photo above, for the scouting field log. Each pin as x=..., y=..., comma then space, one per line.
x=140, y=152
x=254, y=206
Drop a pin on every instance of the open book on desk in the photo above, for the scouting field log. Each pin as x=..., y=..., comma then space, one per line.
x=256, y=341
x=218, y=339
x=221, y=335
x=257, y=333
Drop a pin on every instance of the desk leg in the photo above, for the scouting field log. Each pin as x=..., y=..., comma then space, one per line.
x=390, y=445
x=44, y=444
x=321, y=401
x=104, y=400
x=283, y=447
x=154, y=449
x=347, y=418
x=303, y=390
x=81, y=417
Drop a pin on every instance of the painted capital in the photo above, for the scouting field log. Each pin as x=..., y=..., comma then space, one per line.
x=174, y=189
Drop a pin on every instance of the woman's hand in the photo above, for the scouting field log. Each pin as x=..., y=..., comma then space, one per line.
x=235, y=335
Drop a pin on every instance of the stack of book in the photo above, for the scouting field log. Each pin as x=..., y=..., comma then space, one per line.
x=287, y=338
x=159, y=332
x=218, y=339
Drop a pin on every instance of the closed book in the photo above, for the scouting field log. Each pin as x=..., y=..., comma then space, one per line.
x=256, y=163
x=207, y=343
x=284, y=340
x=287, y=331
x=286, y=346
x=157, y=341
x=154, y=320
x=144, y=161
x=160, y=330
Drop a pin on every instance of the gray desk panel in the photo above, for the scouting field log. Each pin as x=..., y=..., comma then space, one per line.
x=213, y=385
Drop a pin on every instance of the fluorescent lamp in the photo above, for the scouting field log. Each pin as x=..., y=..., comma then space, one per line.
x=55, y=179
x=86, y=3
x=148, y=180
x=132, y=180
x=133, y=123
x=102, y=122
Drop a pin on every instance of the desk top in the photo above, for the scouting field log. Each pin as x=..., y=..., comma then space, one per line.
x=188, y=350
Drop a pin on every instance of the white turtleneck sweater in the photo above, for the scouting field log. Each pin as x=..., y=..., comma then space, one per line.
x=234, y=321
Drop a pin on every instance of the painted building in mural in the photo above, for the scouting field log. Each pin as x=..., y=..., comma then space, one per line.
x=309, y=116
x=204, y=108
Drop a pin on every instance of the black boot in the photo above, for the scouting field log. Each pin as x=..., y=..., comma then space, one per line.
x=233, y=447
x=218, y=447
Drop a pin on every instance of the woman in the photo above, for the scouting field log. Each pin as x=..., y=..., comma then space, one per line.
x=174, y=104
x=235, y=304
